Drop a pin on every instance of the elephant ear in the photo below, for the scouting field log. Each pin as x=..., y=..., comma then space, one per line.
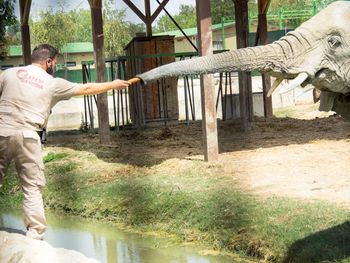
x=341, y=106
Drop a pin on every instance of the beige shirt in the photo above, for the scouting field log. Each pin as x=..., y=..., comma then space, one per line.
x=27, y=95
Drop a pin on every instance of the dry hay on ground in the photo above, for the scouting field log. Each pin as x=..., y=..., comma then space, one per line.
x=303, y=157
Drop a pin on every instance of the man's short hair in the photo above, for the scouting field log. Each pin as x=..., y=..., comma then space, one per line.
x=43, y=52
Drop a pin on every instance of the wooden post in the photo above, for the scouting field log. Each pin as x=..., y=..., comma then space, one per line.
x=209, y=125
x=102, y=102
x=148, y=18
x=263, y=37
x=245, y=80
x=24, y=7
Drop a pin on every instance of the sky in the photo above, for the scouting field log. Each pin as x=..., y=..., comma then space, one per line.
x=38, y=5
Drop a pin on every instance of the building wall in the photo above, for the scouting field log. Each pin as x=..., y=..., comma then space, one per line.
x=230, y=38
x=11, y=61
x=76, y=57
x=182, y=44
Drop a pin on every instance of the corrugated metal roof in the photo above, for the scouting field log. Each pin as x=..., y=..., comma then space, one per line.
x=191, y=31
x=77, y=47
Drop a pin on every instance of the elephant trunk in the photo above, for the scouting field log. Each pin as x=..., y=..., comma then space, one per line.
x=268, y=58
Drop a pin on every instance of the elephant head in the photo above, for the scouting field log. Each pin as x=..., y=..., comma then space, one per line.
x=317, y=53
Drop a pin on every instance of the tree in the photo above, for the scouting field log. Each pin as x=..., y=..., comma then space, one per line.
x=82, y=21
x=136, y=28
x=186, y=18
x=221, y=9
x=281, y=8
x=115, y=29
x=7, y=18
x=13, y=34
x=56, y=29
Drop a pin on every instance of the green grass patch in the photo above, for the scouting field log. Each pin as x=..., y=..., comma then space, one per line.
x=51, y=156
x=294, y=111
x=196, y=203
x=11, y=192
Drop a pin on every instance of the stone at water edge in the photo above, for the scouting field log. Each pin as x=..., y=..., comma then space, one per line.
x=19, y=248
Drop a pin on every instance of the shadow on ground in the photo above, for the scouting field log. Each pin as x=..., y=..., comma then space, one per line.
x=12, y=230
x=330, y=245
x=152, y=146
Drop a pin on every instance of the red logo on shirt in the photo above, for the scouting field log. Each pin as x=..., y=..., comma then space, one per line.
x=24, y=77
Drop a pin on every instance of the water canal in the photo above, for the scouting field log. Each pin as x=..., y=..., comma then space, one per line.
x=108, y=244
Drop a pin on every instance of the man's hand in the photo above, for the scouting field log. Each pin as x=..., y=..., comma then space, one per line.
x=120, y=84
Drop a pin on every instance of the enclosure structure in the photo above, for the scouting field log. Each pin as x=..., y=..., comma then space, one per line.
x=204, y=28
x=156, y=101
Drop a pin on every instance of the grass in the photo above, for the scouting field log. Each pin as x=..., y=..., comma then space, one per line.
x=291, y=112
x=196, y=202
x=188, y=198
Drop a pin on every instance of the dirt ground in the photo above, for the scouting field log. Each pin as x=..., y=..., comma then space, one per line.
x=307, y=156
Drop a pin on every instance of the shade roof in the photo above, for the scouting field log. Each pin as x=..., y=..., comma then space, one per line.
x=192, y=31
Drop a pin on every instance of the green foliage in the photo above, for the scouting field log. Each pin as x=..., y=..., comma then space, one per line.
x=51, y=156
x=7, y=18
x=56, y=29
x=225, y=9
x=136, y=28
x=196, y=205
x=186, y=18
x=220, y=9
x=193, y=200
x=116, y=30
x=82, y=21
x=301, y=10
x=63, y=168
x=13, y=34
x=10, y=192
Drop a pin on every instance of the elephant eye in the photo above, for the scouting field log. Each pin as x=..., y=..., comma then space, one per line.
x=334, y=42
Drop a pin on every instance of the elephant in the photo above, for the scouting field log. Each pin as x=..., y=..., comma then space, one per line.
x=317, y=52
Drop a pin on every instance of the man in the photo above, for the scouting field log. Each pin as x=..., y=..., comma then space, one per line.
x=27, y=95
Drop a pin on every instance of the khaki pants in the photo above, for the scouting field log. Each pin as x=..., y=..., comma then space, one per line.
x=25, y=149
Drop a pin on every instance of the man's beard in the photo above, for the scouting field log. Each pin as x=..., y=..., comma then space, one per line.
x=49, y=70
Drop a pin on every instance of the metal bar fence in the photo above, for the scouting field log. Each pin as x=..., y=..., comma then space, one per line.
x=191, y=93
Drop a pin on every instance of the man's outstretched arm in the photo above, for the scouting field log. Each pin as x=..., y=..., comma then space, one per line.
x=100, y=87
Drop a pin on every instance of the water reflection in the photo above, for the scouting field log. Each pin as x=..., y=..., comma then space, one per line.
x=106, y=243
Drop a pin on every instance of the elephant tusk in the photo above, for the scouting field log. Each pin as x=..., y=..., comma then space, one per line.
x=294, y=83
x=275, y=84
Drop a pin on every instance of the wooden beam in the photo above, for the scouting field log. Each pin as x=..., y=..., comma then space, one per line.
x=24, y=8
x=158, y=10
x=95, y=3
x=263, y=7
x=263, y=37
x=135, y=10
x=26, y=50
x=98, y=42
x=146, y=18
x=209, y=125
x=245, y=80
